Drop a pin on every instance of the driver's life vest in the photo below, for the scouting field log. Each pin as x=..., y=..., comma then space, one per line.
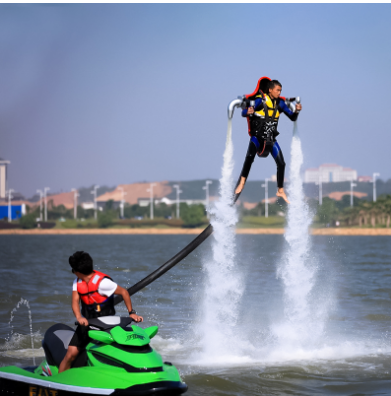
x=94, y=304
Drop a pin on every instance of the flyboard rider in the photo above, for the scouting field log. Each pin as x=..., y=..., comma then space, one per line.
x=262, y=109
x=95, y=290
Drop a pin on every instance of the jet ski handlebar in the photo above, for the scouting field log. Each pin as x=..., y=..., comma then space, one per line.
x=108, y=322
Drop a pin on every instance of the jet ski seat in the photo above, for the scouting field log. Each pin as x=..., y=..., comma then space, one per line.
x=55, y=344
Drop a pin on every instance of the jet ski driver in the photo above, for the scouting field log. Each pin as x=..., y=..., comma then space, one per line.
x=96, y=292
x=262, y=117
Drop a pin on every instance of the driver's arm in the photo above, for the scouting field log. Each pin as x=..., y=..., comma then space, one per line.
x=76, y=308
x=125, y=295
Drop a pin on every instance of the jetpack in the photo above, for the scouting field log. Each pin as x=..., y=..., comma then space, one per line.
x=246, y=101
x=264, y=141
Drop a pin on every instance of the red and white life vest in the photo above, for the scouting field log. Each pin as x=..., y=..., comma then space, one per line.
x=89, y=291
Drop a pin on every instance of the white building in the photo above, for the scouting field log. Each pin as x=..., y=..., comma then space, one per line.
x=3, y=177
x=167, y=201
x=329, y=173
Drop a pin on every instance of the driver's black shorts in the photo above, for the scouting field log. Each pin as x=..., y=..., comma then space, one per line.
x=80, y=339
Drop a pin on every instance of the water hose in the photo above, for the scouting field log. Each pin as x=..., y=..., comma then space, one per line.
x=169, y=264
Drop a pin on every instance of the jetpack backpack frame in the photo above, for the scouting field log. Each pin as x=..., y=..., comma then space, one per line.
x=263, y=141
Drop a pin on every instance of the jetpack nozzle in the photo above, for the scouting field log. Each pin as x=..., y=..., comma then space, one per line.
x=231, y=107
x=291, y=102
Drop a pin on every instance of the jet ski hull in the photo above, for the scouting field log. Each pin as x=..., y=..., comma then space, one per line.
x=31, y=385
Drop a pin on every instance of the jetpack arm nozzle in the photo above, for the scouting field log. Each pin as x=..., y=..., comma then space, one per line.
x=290, y=102
x=231, y=107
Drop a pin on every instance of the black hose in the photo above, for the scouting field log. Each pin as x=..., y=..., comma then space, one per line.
x=169, y=264
x=174, y=260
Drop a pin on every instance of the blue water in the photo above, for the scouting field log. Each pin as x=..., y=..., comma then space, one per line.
x=351, y=357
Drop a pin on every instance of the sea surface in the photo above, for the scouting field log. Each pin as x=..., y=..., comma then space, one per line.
x=348, y=354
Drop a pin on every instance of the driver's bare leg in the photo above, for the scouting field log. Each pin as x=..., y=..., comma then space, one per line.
x=71, y=355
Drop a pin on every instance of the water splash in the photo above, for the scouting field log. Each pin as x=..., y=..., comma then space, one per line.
x=26, y=303
x=303, y=324
x=223, y=286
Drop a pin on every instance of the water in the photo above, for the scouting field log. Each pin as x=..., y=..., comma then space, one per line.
x=303, y=321
x=13, y=312
x=351, y=356
x=222, y=287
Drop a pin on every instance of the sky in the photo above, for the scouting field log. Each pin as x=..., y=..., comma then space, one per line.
x=122, y=93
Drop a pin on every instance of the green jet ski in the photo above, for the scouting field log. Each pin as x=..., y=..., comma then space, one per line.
x=118, y=361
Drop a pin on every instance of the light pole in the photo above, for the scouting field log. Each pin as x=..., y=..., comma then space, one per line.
x=95, y=203
x=75, y=195
x=122, y=204
x=150, y=190
x=178, y=191
x=206, y=188
x=266, y=197
x=351, y=191
x=40, y=203
x=10, y=191
x=320, y=189
x=374, y=186
x=45, y=190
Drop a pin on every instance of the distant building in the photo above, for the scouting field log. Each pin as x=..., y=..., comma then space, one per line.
x=137, y=193
x=337, y=195
x=273, y=178
x=167, y=201
x=134, y=193
x=365, y=179
x=3, y=177
x=88, y=205
x=329, y=173
x=17, y=211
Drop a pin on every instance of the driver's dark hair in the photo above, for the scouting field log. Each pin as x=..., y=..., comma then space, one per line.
x=81, y=262
x=273, y=83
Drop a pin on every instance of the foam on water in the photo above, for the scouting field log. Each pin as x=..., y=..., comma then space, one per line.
x=166, y=345
x=17, y=346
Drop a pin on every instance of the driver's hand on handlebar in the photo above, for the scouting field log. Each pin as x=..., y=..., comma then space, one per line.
x=250, y=110
x=136, y=318
x=82, y=321
x=298, y=107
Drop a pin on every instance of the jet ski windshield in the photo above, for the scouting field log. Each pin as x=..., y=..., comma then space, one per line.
x=108, y=322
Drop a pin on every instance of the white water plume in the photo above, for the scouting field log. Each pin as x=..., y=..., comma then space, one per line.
x=223, y=286
x=298, y=268
x=26, y=303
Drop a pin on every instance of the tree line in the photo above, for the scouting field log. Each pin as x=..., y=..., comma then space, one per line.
x=363, y=213
x=190, y=215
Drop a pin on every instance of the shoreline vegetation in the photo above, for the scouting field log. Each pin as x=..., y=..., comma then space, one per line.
x=191, y=231
x=330, y=218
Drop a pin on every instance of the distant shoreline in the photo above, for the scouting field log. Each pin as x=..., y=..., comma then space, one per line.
x=192, y=231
